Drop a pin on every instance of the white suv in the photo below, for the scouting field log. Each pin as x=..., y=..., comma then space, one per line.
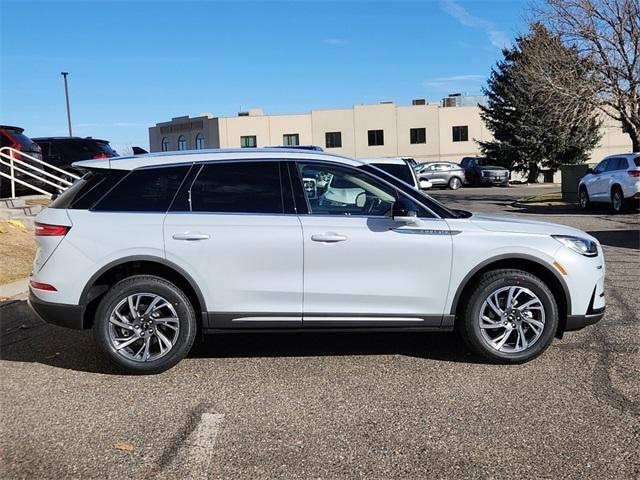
x=615, y=180
x=151, y=250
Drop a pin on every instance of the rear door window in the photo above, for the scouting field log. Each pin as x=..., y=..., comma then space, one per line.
x=144, y=190
x=238, y=187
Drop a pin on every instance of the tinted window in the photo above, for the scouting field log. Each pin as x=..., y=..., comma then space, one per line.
x=240, y=187
x=144, y=190
x=403, y=172
x=333, y=139
x=602, y=166
x=418, y=135
x=637, y=160
x=460, y=133
x=376, y=137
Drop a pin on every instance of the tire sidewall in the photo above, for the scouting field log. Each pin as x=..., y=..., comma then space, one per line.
x=583, y=194
x=550, y=310
x=158, y=286
x=455, y=183
x=622, y=205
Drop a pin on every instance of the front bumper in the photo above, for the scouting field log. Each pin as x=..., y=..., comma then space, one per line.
x=63, y=315
x=593, y=315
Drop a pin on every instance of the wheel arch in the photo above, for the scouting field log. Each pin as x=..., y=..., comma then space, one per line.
x=528, y=263
x=126, y=267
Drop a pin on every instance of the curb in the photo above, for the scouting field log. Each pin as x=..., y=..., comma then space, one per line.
x=13, y=289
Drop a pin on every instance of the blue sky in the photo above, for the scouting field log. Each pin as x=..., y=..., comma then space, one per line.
x=133, y=64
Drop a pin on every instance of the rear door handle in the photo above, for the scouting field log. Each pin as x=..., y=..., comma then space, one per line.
x=328, y=237
x=190, y=236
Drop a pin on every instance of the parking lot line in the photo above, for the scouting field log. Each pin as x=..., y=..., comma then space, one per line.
x=195, y=453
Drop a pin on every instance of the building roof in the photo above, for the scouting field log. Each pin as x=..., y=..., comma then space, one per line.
x=217, y=154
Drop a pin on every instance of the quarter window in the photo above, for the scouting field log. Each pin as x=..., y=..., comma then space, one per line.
x=291, y=139
x=182, y=142
x=333, y=139
x=418, y=135
x=332, y=190
x=376, y=137
x=144, y=190
x=165, y=144
x=199, y=141
x=460, y=133
x=247, y=187
x=249, y=141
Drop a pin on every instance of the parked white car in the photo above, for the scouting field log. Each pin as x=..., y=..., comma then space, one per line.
x=615, y=180
x=152, y=249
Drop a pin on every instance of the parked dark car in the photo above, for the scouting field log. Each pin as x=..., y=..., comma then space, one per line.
x=61, y=152
x=479, y=171
x=15, y=138
x=441, y=174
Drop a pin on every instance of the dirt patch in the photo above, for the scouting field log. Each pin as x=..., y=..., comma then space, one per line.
x=17, y=249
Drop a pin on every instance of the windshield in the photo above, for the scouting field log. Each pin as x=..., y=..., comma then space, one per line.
x=402, y=172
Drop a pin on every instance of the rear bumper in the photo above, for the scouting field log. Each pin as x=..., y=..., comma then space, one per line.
x=63, y=315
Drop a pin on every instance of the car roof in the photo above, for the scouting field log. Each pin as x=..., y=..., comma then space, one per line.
x=386, y=160
x=217, y=154
x=629, y=156
x=67, y=139
x=9, y=127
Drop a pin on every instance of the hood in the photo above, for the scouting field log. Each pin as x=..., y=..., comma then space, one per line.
x=514, y=224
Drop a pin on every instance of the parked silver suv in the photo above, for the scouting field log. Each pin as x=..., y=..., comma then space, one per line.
x=441, y=174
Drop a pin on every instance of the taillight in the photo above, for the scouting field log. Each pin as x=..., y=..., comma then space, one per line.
x=42, y=286
x=44, y=230
x=101, y=155
x=634, y=173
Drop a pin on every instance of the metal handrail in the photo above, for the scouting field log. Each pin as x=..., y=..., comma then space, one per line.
x=8, y=153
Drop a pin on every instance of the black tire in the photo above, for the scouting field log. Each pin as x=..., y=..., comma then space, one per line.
x=583, y=197
x=618, y=203
x=469, y=321
x=182, y=341
x=455, y=183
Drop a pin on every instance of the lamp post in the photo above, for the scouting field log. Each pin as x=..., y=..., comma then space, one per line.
x=66, y=94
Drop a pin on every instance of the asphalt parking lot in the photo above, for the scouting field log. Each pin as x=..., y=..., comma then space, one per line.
x=339, y=405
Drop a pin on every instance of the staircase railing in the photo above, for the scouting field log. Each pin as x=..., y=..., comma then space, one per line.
x=14, y=160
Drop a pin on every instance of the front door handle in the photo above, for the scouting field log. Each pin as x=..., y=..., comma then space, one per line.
x=328, y=237
x=190, y=236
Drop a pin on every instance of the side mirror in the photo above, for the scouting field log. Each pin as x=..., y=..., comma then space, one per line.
x=425, y=184
x=588, y=171
x=404, y=211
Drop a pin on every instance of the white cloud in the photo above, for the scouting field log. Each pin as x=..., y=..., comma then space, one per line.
x=454, y=82
x=334, y=41
x=497, y=37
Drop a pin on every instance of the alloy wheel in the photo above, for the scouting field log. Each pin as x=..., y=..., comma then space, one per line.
x=455, y=183
x=143, y=327
x=511, y=319
x=583, y=198
x=617, y=201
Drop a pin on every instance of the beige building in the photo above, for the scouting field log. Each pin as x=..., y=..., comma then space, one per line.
x=446, y=131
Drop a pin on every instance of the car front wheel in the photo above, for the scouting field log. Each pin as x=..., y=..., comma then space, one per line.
x=585, y=203
x=145, y=324
x=511, y=317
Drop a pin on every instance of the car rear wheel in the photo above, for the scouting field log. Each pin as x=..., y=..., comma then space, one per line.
x=455, y=183
x=585, y=203
x=145, y=324
x=617, y=200
x=511, y=317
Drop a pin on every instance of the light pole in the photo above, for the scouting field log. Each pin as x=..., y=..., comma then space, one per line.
x=66, y=94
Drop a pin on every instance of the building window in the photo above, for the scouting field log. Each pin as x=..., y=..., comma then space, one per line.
x=165, y=144
x=460, y=133
x=333, y=139
x=250, y=141
x=199, y=141
x=182, y=142
x=418, y=135
x=376, y=137
x=291, y=139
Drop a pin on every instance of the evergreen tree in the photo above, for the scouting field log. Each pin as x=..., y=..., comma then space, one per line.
x=531, y=128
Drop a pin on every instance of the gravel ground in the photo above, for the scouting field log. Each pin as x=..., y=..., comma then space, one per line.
x=340, y=405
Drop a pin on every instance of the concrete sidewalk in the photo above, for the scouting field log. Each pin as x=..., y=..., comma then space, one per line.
x=19, y=289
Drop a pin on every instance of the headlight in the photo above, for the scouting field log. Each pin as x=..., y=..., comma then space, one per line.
x=580, y=245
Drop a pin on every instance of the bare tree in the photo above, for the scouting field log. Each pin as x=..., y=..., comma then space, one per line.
x=606, y=34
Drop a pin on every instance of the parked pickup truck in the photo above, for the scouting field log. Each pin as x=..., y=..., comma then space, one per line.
x=478, y=171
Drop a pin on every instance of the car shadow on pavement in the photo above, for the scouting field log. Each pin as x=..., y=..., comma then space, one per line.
x=618, y=238
x=566, y=209
x=26, y=338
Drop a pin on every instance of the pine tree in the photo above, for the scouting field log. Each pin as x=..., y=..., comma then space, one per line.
x=531, y=128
